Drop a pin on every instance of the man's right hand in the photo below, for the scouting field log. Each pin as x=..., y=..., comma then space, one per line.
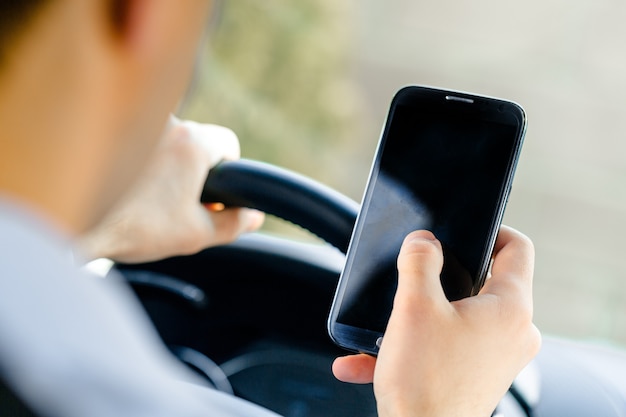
x=449, y=359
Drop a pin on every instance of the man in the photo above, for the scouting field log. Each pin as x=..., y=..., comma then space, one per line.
x=86, y=88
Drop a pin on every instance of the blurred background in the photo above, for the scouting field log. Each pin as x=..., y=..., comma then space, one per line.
x=306, y=85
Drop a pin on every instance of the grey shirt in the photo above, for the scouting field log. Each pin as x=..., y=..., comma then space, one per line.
x=75, y=345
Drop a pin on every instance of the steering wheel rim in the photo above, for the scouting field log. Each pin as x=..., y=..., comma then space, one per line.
x=286, y=194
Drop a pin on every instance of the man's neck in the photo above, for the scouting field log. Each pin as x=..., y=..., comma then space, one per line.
x=42, y=154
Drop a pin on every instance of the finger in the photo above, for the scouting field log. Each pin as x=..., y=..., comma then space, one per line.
x=218, y=142
x=419, y=268
x=507, y=235
x=225, y=226
x=513, y=264
x=356, y=369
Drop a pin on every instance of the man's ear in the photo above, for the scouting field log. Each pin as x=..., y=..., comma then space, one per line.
x=131, y=20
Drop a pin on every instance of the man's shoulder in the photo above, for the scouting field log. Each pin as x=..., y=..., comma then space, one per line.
x=26, y=235
x=83, y=343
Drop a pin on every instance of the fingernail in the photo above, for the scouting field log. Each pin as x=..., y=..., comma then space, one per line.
x=422, y=235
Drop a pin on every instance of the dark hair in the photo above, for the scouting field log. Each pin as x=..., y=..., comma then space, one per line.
x=14, y=17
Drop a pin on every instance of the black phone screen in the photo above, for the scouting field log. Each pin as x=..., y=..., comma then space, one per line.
x=442, y=165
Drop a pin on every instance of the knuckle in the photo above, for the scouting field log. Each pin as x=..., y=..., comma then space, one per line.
x=420, y=257
x=223, y=136
x=218, y=142
x=527, y=243
x=416, y=305
x=233, y=149
x=226, y=133
x=534, y=340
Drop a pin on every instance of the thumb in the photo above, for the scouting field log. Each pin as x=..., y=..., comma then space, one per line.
x=419, y=267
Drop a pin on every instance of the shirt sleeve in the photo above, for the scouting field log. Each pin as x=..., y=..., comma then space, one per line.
x=74, y=345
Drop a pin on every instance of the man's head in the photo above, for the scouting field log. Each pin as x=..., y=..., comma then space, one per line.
x=85, y=90
x=14, y=16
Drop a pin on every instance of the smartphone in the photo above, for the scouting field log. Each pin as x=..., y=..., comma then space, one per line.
x=444, y=163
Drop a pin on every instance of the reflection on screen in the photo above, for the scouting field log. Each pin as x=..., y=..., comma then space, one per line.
x=433, y=174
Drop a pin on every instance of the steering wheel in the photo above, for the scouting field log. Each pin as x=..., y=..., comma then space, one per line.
x=285, y=194
x=250, y=317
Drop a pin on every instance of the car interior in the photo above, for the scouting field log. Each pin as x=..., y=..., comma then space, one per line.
x=250, y=317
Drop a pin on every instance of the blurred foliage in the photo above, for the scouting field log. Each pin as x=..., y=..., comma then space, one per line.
x=277, y=73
